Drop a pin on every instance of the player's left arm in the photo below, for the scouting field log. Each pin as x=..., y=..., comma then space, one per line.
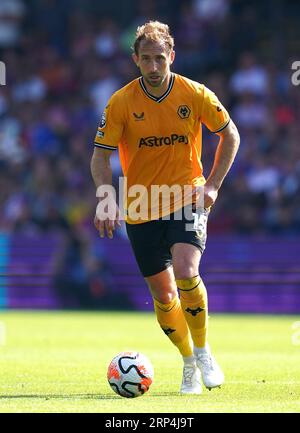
x=225, y=154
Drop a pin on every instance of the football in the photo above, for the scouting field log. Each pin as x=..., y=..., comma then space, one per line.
x=130, y=374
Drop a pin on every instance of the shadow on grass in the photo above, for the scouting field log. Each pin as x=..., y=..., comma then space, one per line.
x=59, y=396
x=80, y=396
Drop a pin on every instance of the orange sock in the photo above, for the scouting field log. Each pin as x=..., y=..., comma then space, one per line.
x=193, y=298
x=173, y=323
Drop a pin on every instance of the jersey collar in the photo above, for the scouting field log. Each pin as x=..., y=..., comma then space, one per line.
x=162, y=97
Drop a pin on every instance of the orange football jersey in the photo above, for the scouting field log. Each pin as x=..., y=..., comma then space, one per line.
x=159, y=140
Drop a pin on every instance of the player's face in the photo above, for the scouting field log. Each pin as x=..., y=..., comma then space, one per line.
x=154, y=61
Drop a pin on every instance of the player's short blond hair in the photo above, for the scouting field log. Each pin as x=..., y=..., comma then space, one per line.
x=153, y=31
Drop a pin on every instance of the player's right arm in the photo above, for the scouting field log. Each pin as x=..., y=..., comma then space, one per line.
x=107, y=139
x=105, y=221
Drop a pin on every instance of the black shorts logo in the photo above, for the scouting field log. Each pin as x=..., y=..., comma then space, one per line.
x=183, y=111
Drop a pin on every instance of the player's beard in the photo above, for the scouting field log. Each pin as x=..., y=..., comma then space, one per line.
x=155, y=83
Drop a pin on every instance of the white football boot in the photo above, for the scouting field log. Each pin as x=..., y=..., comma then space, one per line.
x=212, y=375
x=191, y=380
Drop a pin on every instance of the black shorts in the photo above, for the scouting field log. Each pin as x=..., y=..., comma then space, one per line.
x=151, y=241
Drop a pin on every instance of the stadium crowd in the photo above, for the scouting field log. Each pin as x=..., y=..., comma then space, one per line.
x=64, y=58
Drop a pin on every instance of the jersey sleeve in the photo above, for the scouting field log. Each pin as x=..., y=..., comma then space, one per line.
x=214, y=116
x=111, y=125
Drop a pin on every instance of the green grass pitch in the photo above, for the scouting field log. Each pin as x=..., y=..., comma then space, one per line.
x=57, y=361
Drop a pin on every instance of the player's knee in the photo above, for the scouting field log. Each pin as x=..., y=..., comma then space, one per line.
x=164, y=296
x=185, y=266
x=163, y=291
x=185, y=270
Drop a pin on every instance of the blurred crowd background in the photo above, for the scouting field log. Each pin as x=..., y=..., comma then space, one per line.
x=64, y=58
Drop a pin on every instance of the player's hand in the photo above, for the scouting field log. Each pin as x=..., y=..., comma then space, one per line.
x=210, y=196
x=106, y=222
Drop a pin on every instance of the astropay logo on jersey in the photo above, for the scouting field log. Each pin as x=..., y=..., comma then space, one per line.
x=153, y=141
